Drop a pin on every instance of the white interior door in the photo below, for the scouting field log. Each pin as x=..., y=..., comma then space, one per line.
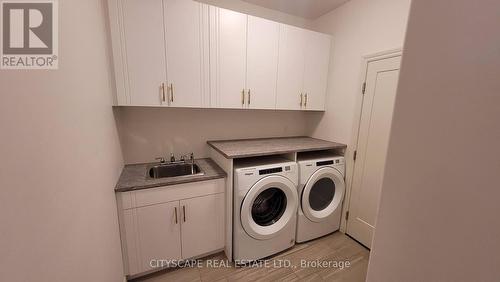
x=373, y=138
x=290, y=68
x=145, y=50
x=159, y=232
x=317, y=61
x=262, y=62
x=202, y=225
x=184, y=29
x=228, y=57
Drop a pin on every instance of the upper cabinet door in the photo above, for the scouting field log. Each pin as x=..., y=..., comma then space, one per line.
x=262, y=63
x=228, y=47
x=317, y=60
x=184, y=33
x=144, y=68
x=290, y=68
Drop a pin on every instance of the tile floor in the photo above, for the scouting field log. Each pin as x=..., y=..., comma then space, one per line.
x=332, y=249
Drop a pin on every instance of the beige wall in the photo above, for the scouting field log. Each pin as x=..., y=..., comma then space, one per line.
x=60, y=159
x=147, y=133
x=359, y=28
x=439, y=211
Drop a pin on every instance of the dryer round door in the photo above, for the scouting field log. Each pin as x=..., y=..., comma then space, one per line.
x=322, y=194
x=268, y=207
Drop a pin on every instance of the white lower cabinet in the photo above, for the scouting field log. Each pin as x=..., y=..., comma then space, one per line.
x=154, y=229
x=202, y=225
x=159, y=233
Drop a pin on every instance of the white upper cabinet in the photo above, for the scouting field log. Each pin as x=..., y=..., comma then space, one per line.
x=244, y=52
x=143, y=70
x=184, y=32
x=290, y=94
x=228, y=47
x=262, y=63
x=182, y=53
x=160, y=49
x=317, y=61
x=304, y=57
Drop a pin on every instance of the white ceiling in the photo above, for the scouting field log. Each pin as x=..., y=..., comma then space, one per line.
x=309, y=9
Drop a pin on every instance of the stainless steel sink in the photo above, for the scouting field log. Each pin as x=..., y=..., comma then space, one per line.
x=174, y=170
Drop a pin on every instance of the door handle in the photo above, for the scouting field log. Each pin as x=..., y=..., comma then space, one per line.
x=171, y=92
x=163, y=92
x=305, y=101
x=175, y=211
x=248, y=96
x=301, y=95
x=243, y=97
x=184, y=212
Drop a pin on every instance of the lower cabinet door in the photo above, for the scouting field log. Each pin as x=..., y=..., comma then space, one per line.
x=202, y=225
x=129, y=237
x=159, y=237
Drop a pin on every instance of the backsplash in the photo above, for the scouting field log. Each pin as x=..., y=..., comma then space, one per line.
x=146, y=133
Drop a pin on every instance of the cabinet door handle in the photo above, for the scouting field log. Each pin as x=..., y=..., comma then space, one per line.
x=305, y=101
x=163, y=92
x=175, y=211
x=171, y=92
x=301, y=95
x=243, y=97
x=248, y=96
x=184, y=212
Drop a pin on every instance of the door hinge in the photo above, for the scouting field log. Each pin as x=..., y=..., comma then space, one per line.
x=355, y=155
x=347, y=215
x=364, y=88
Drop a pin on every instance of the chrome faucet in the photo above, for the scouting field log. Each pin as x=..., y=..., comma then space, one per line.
x=182, y=159
x=161, y=160
x=191, y=158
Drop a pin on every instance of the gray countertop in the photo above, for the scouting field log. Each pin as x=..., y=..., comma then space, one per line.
x=134, y=177
x=269, y=146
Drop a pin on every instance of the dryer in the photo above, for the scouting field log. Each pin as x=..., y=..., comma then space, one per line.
x=321, y=191
x=264, y=208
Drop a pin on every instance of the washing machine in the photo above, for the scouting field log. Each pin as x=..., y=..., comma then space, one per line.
x=265, y=207
x=321, y=191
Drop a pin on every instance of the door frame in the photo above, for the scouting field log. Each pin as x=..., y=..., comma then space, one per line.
x=349, y=154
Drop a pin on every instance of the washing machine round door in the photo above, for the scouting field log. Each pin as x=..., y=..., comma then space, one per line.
x=268, y=207
x=322, y=194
